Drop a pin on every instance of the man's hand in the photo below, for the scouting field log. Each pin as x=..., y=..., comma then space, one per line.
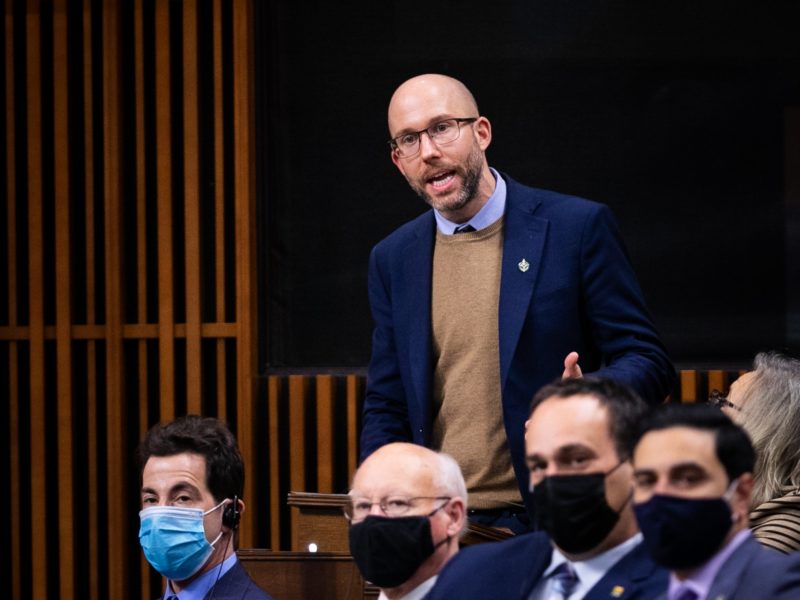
x=572, y=370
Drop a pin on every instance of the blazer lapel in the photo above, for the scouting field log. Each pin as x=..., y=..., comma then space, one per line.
x=523, y=246
x=727, y=579
x=418, y=268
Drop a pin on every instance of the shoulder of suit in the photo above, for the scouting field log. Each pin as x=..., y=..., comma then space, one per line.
x=409, y=231
x=533, y=198
x=524, y=543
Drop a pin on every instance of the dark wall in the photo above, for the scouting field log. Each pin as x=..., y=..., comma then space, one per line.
x=673, y=114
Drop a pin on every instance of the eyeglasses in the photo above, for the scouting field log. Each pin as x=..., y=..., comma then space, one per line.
x=717, y=399
x=358, y=509
x=441, y=132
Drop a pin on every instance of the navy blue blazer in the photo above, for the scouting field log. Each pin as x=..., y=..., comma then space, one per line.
x=579, y=292
x=511, y=569
x=236, y=584
x=754, y=571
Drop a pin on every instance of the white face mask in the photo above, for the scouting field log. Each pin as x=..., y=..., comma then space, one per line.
x=174, y=539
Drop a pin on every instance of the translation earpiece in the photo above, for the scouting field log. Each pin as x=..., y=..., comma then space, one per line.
x=231, y=516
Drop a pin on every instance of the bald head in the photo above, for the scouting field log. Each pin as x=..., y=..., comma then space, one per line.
x=427, y=94
x=408, y=470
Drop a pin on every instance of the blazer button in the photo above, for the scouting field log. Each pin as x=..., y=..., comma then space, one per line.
x=420, y=429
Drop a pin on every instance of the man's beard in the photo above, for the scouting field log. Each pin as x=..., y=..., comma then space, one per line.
x=469, y=189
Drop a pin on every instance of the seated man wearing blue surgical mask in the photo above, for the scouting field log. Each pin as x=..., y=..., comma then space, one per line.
x=407, y=509
x=693, y=482
x=192, y=480
x=577, y=445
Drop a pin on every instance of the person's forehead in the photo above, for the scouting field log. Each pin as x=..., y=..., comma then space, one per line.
x=416, y=104
x=164, y=472
x=558, y=423
x=393, y=474
x=663, y=449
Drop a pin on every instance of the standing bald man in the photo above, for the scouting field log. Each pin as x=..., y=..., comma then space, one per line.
x=481, y=301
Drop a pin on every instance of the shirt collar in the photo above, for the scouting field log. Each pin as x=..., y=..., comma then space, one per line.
x=491, y=211
x=701, y=580
x=199, y=588
x=418, y=592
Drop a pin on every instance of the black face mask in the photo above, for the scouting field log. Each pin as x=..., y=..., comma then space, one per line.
x=573, y=510
x=683, y=533
x=388, y=551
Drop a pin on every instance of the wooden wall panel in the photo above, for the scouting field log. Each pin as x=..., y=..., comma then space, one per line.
x=116, y=315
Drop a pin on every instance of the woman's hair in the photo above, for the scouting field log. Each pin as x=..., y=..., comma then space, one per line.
x=771, y=415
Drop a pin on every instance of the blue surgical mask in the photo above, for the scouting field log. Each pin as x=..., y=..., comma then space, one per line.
x=174, y=540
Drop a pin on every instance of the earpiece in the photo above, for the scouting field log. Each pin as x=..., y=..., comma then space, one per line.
x=230, y=516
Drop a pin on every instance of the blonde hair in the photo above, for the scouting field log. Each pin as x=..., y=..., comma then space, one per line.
x=771, y=416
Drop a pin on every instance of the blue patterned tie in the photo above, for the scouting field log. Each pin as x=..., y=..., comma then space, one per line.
x=564, y=580
x=464, y=229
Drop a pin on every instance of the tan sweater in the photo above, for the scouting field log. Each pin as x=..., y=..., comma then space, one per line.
x=468, y=421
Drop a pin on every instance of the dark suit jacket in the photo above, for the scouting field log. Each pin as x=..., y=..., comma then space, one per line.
x=579, y=293
x=236, y=584
x=509, y=570
x=755, y=572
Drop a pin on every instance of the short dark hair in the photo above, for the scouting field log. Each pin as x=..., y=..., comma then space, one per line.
x=207, y=437
x=625, y=408
x=732, y=444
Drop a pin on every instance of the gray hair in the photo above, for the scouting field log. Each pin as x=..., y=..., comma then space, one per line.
x=449, y=481
x=771, y=416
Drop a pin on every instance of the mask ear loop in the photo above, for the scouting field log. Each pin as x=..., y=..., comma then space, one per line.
x=227, y=544
x=728, y=496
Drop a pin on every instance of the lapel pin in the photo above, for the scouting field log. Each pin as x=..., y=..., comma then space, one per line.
x=524, y=265
x=617, y=591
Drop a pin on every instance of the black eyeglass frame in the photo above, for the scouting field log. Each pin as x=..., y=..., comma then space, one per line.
x=719, y=400
x=458, y=120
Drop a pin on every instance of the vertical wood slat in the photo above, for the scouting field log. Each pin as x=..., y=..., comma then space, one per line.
x=13, y=351
x=353, y=390
x=118, y=559
x=244, y=203
x=141, y=246
x=219, y=206
x=66, y=471
x=191, y=142
x=717, y=380
x=166, y=323
x=38, y=457
x=689, y=385
x=275, y=500
x=93, y=557
x=298, y=392
x=325, y=433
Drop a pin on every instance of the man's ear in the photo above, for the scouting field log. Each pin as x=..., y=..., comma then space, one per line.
x=743, y=496
x=457, y=511
x=483, y=132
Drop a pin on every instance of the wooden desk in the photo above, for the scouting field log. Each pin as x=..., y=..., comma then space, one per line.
x=318, y=519
x=306, y=576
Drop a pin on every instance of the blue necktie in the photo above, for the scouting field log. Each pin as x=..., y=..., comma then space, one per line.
x=564, y=580
x=464, y=229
